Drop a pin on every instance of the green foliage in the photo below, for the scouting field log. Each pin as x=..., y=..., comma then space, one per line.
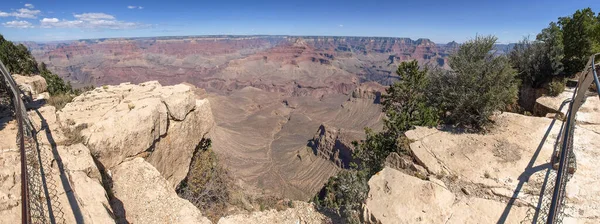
x=373, y=150
x=556, y=87
x=345, y=194
x=479, y=83
x=581, y=38
x=405, y=103
x=535, y=62
x=17, y=58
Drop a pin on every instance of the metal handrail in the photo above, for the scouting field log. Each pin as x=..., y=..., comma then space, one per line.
x=24, y=129
x=576, y=101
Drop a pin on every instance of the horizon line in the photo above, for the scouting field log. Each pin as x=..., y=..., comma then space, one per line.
x=236, y=35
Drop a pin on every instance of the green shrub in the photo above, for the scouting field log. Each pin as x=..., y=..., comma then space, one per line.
x=344, y=194
x=534, y=62
x=556, y=87
x=478, y=84
x=405, y=102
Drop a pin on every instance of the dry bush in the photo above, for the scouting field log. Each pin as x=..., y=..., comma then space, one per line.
x=72, y=133
x=207, y=184
x=60, y=100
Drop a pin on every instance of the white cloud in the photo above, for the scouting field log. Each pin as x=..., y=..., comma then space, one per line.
x=135, y=7
x=22, y=13
x=90, y=21
x=18, y=24
x=29, y=6
x=49, y=20
x=93, y=16
x=341, y=25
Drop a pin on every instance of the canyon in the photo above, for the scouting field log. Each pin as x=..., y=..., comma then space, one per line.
x=271, y=96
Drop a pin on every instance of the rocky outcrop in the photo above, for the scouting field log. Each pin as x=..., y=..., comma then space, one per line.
x=161, y=124
x=498, y=176
x=31, y=86
x=369, y=90
x=147, y=197
x=300, y=213
x=334, y=144
x=395, y=197
x=90, y=146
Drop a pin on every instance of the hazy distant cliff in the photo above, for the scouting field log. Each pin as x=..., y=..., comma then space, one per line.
x=224, y=63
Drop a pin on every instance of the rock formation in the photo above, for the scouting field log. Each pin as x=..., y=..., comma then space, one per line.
x=32, y=86
x=135, y=141
x=148, y=198
x=161, y=124
x=501, y=176
x=335, y=144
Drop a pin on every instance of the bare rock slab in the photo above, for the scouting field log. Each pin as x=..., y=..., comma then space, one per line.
x=147, y=197
x=301, y=213
x=395, y=197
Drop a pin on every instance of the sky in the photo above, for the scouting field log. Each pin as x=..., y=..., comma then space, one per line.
x=440, y=21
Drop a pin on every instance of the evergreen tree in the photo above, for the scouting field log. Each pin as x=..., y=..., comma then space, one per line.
x=479, y=83
x=581, y=38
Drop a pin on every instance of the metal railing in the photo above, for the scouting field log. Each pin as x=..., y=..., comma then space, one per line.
x=24, y=131
x=588, y=75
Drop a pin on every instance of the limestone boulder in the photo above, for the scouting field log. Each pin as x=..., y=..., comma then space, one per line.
x=31, y=86
x=161, y=124
x=395, y=197
x=301, y=213
x=147, y=197
x=179, y=99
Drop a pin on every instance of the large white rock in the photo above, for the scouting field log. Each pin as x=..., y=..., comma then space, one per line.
x=395, y=197
x=173, y=153
x=31, y=86
x=162, y=124
x=148, y=198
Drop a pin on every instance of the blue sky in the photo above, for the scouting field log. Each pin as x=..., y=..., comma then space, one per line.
x=440, y=21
